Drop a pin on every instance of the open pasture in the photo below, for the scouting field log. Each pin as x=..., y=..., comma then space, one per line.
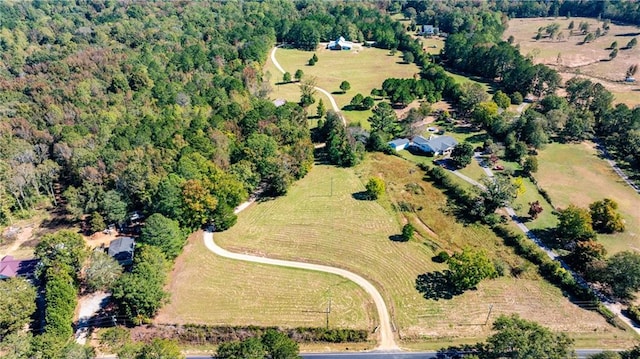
x=320, y=220
x=571, y=57
x=207, y=289
x=574, y=173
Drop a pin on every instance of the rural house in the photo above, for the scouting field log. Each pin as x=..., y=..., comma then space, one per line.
x=340, y=44
x=11, y=267
x=440, y=145
x=399, y=144
x=121, y=249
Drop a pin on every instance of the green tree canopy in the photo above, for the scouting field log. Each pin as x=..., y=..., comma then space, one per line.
x=605, y=217
x=345, y=86
x=384, y=119
x=375, y=188
x=64, y=247
x=101, y=271
x=574, y=224
x=163, y=233
x=17, y=304
x=522, y=339
x=160, y=349
x=462, y=154
x=469, y=267
x=622, y=274
x=140, y=294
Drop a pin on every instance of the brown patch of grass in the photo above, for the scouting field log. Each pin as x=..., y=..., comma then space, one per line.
x=579, y=59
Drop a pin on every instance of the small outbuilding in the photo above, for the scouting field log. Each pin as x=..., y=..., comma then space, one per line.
x=438, y=145
x=122, y=249
x=399, y=144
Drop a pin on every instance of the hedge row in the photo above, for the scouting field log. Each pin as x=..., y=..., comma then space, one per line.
x=212, y=334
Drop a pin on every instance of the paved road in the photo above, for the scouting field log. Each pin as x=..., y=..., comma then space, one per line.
x=581, y=354
x=334, y=104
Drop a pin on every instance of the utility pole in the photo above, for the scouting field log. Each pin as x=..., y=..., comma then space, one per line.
x=488, y=314
x=328, y=311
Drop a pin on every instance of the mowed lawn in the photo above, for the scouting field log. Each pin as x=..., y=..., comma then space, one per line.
x=574, y=174
x=320, y=221
x=207, y=289
x=364, y=68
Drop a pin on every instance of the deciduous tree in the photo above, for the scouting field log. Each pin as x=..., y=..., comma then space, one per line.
x=375, y=188
x=462, y=154
x=17, y=304
x=469, y=267
x=605, y=217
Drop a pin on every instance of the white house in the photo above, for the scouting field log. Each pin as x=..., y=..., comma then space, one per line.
x=429, y=30
x=340, y=44
x=399, y=144
x=440, y=145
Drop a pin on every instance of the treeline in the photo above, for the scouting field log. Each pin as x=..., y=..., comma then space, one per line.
x=112, y=109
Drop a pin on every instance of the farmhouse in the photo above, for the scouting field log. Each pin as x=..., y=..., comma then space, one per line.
x=11, y=267
x=121, y=249
x=399, y=144
x=429, y=30
x=440, y=145
x=340, y=44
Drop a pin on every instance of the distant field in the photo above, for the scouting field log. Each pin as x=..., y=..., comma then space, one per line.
x=573, y=173
x=364, y=68
x=590, y=60
x=207, y=289
x=320, y=221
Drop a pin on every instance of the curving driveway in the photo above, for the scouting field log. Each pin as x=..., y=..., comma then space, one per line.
x=334, y=104
x=387, y=340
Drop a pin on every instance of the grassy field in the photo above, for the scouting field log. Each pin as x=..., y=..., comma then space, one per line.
x=364, y=68
x=590, y=60
x=320, y=221
x=208, y=289
x=573, y=173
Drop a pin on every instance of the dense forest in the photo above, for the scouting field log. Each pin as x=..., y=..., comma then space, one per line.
x=162, y=107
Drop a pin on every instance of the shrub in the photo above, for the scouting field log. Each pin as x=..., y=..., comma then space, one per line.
x=441, y=257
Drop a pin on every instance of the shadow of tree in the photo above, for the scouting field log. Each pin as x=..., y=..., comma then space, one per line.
x=361, y=196
x=397, y=238
x=436, y=285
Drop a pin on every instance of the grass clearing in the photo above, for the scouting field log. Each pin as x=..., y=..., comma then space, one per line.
x=574, y=173
x=207, y=289
x=589, y=60
x=320, y=221
x=364, y=68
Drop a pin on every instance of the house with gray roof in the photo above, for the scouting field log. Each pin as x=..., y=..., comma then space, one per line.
x=399, y=144
x=438, y=145
x=340, y=44
x=121, y=249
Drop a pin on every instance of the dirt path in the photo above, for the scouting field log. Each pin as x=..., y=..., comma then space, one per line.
x=24, y=234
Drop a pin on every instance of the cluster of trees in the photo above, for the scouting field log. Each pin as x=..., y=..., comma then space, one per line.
x=341, y=146
x=271, y=344
x=118, y=340
x=515, y=337
x=401, y=92
x=107, y=114
x=577, y=231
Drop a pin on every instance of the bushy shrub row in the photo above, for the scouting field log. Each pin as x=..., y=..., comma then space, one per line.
x=211, y=334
